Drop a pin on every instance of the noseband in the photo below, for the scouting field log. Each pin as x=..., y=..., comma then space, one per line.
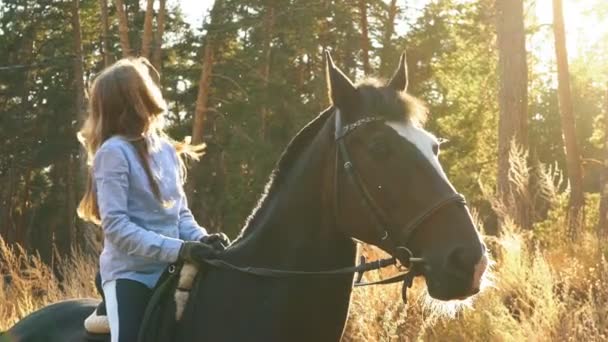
x=380, y=219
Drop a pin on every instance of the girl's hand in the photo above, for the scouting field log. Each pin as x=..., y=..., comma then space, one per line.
x=219, y=241
x=196, y=252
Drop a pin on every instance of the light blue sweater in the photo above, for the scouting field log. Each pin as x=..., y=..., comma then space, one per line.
x=141, y=235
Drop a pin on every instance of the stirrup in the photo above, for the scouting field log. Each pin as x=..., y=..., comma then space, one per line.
x=96, y=324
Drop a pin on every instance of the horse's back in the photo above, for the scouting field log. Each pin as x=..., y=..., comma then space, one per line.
x=62, y=321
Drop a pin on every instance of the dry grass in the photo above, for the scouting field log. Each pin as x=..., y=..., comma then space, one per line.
x=538, y=295
x=27, y=284
x=551, y=295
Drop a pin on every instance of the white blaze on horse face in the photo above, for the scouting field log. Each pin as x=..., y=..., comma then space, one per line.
x=423, y=140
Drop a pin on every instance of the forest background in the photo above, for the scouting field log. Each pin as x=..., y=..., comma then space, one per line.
x=523, y=105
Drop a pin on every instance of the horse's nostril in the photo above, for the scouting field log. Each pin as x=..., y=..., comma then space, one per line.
x=458, y=259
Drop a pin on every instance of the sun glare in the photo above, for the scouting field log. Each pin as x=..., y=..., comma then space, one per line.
x=583, y=27
x=195, y=11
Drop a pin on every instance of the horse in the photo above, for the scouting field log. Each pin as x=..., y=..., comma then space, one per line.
x=363, y=170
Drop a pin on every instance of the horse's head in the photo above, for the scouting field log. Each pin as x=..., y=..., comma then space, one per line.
x=391, y=190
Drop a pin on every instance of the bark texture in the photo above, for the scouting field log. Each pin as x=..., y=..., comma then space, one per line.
x=146, y=41
x=105, y=49
x=123, y=29
x=513, y=101
x=389, y=30
x=76, y=167
x=269, y=20
x=364, y=36
x=573, y=158
x=602, y=228
x=157, y=55
x=202, y=98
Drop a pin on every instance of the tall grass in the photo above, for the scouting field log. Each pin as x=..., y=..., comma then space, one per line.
x=538, y=295
x=27, y=283
x=544, y=287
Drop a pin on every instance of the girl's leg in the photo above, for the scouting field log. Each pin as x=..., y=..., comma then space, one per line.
x=126, y=302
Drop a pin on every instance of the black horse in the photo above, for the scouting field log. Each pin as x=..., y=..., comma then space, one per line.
x=364, y=169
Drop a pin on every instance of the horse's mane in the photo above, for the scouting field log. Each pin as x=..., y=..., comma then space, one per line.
x=289, y=155
x=379, y=99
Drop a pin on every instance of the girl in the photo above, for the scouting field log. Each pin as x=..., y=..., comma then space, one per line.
x=135, y=191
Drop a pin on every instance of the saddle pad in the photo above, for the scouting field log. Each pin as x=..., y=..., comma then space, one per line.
x=96, y=324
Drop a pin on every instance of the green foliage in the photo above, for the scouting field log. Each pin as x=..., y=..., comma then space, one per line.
x=253, y=114
x=545, y=232
x=460, y=87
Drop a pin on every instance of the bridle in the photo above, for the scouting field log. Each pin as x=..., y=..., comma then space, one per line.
x=381, y=221
x=400, y=254
x=379, y=216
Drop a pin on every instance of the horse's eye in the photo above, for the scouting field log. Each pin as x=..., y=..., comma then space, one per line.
x=379, y=149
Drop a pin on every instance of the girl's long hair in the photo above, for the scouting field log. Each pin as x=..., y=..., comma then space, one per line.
x=125, y=99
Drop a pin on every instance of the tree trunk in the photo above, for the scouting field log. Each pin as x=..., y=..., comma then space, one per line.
x=513, y=101
x=158, y=40
x=5, y=204
x=76, y=168
x=146, y=41
x=602, y=227
x=22, y=204
x=573, y=158
x=364, y=36
x=204, y=85
x=103, y=6
x=123, y=29
x=24, y=54
x=7, y=218
x=389, y=30
x=202, y=97
x=60, y=176
x=269, y=19
x=75, y=240
x=78, y=66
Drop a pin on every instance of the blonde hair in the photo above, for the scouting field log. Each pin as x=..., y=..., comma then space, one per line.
x=125, y=99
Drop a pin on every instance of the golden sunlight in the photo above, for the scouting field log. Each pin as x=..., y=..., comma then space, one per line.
x=583, y=27
x=527, y=123
x=195, y=10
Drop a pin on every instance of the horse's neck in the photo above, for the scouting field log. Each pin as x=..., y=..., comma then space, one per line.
x=296, y=227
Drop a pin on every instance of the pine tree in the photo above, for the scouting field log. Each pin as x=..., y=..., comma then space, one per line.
x=513, y=99
x=573, y=158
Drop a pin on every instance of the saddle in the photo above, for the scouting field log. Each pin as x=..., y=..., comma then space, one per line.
x=162, y=312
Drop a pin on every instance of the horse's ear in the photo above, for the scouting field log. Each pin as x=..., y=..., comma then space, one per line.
x=341, y=89
x=399, y=81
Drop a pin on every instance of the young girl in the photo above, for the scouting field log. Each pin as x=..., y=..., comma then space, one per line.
x=135, y=192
